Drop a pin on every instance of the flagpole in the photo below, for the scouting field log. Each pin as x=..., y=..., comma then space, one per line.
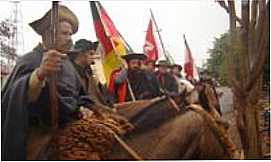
x=195, y=70
x=160, y=38
x=129, y=47
x=118, y=56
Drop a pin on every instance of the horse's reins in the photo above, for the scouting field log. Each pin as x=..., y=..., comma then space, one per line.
x=124, y=144
x=174, y=104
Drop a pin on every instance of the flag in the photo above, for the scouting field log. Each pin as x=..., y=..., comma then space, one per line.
x=110, y=39
x=150, y=47
x=189, y=64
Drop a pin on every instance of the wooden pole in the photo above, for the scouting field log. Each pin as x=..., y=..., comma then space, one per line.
x=159, y=36
x=53, y=98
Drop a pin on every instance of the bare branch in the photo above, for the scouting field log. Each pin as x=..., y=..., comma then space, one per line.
x=244, y=55
x=232, y=13
x=254, y=13
x=239, y=20
x=229, y=9
x=257, y=70
x=230, y=66
x=258, y=65
x=252, y=32
x=223, y=5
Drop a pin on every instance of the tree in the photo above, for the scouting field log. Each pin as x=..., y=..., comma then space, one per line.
x=216, y=64
x=245, y=60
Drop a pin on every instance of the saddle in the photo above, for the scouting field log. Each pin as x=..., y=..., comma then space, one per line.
x=88, y=139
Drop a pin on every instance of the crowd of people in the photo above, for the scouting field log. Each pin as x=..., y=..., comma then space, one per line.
x=26, y=97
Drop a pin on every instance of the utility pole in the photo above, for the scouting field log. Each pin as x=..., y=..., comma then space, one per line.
x=17, y=39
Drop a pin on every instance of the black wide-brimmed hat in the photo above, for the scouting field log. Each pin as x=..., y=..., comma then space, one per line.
x=132, y=56
x=178, y=66
x=83, y=45
x=64, y=14
x=163, y=63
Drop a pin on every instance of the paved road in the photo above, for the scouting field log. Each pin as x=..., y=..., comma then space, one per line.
x=226, y=101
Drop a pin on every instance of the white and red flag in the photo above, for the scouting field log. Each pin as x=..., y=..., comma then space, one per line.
x=150, y=46
x=189, y=63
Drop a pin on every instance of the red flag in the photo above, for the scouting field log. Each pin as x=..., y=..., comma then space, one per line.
x=189, y=66
x=150, y=47
x=110, y=39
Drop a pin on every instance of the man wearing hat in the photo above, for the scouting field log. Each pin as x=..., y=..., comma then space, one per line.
x=154, y=84
x=150, y=65
x=176, y=70
x=183, y=84
x=82, y=56
x=167, y=82
x=207, y=81
x=118, y=85
x=25, y=96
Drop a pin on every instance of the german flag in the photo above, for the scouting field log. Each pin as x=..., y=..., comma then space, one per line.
x=112, y=43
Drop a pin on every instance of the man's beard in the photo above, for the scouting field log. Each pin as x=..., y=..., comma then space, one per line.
x=134, y=75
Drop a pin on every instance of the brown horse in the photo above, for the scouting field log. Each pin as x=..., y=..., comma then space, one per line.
x=162, y=133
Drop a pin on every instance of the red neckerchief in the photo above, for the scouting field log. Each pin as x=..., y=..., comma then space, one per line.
x=161, y=78
x=122, y=89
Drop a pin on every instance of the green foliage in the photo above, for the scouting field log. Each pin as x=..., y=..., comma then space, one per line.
x=216, y=64
x=220, y=53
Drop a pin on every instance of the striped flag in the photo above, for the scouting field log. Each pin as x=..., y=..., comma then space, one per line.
x=189, y=64
x=110, y=39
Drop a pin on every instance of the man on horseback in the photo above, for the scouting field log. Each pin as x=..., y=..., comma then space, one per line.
x=25, y=96
x=183, y=84
x=153, y=82
x=82, y=56
x=140, y=85
x=204, y=84
x=150, y=66
x=166, y=80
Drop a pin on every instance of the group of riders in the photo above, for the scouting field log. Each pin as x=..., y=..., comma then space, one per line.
x=138, y=80
x=26, y=93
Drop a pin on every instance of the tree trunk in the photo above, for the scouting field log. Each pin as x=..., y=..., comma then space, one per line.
x=247, y=126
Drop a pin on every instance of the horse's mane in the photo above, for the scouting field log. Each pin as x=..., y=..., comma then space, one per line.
x=156, y=114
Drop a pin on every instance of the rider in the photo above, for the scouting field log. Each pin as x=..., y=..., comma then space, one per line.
x=25, y=96
x=83, y=55
x=167, y=81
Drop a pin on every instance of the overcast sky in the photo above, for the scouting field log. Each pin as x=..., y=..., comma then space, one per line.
x=199, y=20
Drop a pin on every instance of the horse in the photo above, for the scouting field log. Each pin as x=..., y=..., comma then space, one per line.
x=186, y=135
x=162, y=132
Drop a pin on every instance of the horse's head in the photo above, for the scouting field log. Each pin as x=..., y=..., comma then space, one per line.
x=188, y=94
x=202, y=94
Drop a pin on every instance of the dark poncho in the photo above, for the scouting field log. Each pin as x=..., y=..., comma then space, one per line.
x=18, y=114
